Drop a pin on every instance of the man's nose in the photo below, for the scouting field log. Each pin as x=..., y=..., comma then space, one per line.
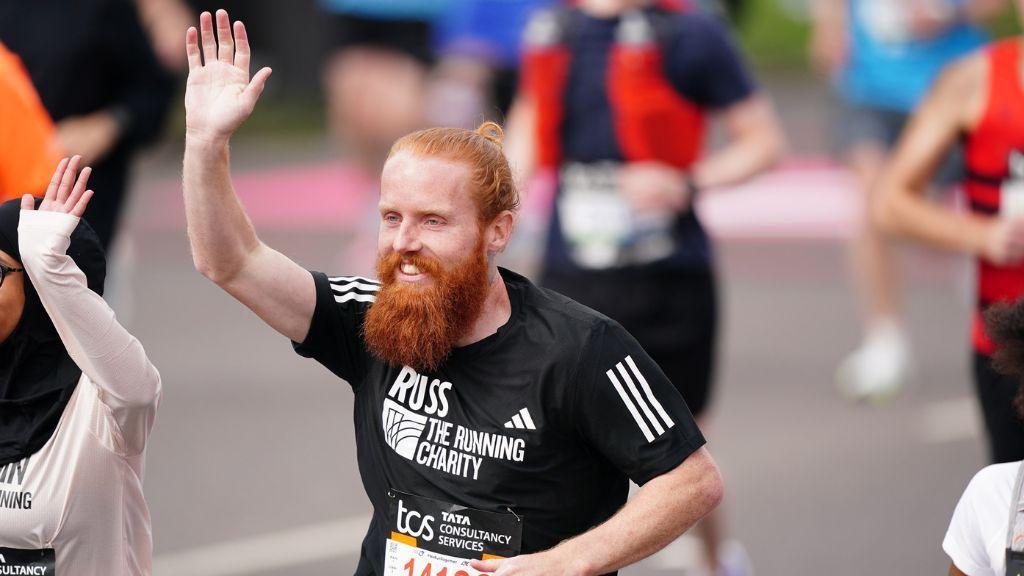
x=407, y=239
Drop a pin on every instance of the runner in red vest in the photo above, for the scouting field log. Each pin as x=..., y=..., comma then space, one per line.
x=616, y=98
x=981, y=99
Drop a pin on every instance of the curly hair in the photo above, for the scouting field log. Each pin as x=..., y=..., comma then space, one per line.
x=1004, y=323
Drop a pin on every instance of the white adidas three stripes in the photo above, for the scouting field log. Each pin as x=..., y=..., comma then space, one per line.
x=644, y=417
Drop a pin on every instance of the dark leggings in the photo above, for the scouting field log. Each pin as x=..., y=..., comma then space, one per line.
x=996, y=394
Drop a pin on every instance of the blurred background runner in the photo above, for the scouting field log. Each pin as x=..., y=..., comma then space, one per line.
x=101, y=84
x=28, y=146
x=882, y=56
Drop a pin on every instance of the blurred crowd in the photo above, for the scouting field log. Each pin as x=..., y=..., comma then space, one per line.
x=915, y=82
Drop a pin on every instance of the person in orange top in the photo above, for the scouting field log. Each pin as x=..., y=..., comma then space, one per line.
x=28, y=149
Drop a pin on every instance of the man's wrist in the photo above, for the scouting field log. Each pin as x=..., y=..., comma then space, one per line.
x=206, y=141
x=574, y=559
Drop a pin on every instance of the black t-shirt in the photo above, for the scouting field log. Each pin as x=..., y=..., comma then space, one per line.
x=548, y=417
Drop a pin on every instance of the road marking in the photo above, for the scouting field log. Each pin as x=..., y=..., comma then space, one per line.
x=293, y=547
x=951, y=420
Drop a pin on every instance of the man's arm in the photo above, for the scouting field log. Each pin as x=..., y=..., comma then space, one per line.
x=756, y=143
x=218, y=97
x=829, y=43
x=659, y=513
x=900, y=206
x=954, y=571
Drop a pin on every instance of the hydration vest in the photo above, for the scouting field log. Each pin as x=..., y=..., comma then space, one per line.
x=994, y=156
x=653, y=121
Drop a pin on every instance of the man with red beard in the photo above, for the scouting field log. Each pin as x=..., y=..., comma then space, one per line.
x=498, y=424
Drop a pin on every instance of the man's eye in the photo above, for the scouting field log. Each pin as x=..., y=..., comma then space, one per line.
x=434, y=222
x=391, y=218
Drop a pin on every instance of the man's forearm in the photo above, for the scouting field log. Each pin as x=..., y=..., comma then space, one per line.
x=756, y=144
x=219, y=231
x=662, y=510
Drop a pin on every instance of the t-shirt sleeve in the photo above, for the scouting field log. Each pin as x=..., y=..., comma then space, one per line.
x=628, y=410
x=335, y=336
x=966, y=538
x=705, y=63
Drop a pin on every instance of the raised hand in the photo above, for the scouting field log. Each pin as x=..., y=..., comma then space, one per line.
x=219, y=95
x=64, y=194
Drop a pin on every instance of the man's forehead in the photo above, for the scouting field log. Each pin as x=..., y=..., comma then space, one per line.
x=420, y=179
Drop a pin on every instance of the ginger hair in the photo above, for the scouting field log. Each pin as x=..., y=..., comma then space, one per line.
x=480, y=149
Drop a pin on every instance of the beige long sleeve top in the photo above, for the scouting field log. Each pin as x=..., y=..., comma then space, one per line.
x=81, y=494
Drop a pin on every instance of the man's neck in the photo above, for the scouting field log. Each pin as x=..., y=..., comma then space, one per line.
x=497, y=310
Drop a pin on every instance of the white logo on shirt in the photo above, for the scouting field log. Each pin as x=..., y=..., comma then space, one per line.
x=402, y=428
x=413, y=421
x=634, y=398
x=521, y=421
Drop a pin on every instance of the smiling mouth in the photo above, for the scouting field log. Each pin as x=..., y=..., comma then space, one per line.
x=410, y=269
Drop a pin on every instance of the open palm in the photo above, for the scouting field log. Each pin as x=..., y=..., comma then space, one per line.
x=219, y=95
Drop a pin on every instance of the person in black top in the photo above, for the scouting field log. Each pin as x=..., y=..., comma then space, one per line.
x=98, y=77
x=497, y=423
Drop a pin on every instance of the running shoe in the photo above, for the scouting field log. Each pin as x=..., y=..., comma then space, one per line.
x=879, y=369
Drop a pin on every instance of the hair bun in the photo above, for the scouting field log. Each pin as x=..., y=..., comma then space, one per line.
x=493, y=132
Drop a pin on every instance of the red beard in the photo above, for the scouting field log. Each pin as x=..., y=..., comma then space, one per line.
x=415, y=326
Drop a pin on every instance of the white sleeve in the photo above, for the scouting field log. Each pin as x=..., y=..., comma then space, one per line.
x=965, y=541
x=128, y=383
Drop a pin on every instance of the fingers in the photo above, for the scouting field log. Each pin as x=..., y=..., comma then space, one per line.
x=79, y=190
x=485, y=565
x=206, y=31
x=79, y=208
x=68, y=180
x=192, y=48
x=51, y=190
x=226, y=51
x=241, y=48
x=256, y=85
x=28, y=202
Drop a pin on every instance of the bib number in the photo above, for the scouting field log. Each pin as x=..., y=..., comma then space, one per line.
x=1011, y=193
x=434, y=538
x=28, y=562
x=600, y=227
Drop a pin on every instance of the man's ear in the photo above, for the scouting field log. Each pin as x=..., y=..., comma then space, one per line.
x=499, y=232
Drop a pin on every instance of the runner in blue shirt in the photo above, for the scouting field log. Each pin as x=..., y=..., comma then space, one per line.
x=882, y=56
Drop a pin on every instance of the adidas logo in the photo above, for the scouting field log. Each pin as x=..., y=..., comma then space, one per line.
x=521, y=421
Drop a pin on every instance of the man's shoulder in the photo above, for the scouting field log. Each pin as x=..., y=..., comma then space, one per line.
x=349, y=292
x=564, y=318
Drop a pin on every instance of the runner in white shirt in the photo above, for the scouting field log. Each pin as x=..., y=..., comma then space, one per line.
x=977, y=535
x=78, y=397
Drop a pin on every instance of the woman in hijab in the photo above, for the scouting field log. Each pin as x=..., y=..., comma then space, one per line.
x=78, y=397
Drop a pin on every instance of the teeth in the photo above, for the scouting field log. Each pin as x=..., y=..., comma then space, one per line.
x=410, y=269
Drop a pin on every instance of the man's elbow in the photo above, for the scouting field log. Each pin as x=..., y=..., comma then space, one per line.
x=711, y=489
x=703, y=483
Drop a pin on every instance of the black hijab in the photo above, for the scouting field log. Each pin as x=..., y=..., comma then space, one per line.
x=37, y=376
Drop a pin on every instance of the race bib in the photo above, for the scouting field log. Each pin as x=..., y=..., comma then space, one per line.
x=598, y=224
x=433, y=538
x=14, y=561
x=1011, y=192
